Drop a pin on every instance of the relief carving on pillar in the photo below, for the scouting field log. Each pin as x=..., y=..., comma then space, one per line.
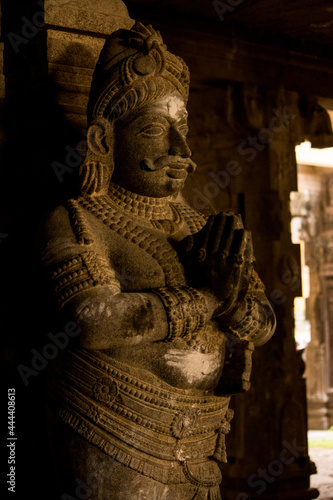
x=168, y=302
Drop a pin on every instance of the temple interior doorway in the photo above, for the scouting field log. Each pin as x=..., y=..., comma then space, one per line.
x=312, y=228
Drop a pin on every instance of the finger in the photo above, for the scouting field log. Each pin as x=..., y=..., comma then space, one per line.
x=248, y=254
x=238, y=246
x=247, y=268
x=233, y=223
x=231, y=286
x=217, y=231
x=202, y=250
x=233, y=248
x=232, y=269
x=239, y=266
x=248, y=257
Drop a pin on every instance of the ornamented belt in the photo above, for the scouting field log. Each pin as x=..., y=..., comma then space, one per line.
x=160, y=431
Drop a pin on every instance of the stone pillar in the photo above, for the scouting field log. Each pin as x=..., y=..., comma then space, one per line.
x=316, y=231
x=76, y=31
x=75, y=34
x=48, y=51
x=51, y=49
x=326, y=279
x=306, y=208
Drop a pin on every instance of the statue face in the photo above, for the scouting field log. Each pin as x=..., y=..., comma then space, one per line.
x=151, y=155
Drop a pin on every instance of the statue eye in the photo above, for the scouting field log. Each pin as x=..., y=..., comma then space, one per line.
x=184, y=130
x=153, y=130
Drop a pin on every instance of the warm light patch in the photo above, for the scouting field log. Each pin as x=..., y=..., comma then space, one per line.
x=306, y=155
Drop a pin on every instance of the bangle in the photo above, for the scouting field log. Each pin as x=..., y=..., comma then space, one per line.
x=186, y=310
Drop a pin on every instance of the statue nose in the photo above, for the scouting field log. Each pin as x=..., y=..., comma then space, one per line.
x=178, y=145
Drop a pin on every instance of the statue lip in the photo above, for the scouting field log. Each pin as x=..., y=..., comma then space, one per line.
x=176, y=166
x=176, y=172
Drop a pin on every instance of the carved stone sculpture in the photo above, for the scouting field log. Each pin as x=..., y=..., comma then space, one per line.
x=167, y=300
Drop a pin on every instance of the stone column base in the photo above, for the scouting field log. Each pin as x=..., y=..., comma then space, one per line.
x=318, y=418
x=330, y=409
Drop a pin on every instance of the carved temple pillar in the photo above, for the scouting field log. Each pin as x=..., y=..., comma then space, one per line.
x=307, y=214
x=318, y=248
x=312, y=209
x=326, y=278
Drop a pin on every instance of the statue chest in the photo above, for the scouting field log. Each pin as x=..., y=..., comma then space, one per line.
x=141, y=251
x=143, y=259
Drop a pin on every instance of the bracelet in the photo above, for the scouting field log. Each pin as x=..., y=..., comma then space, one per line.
x=186, y=310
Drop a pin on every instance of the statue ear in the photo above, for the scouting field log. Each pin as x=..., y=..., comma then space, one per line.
x=99, y=137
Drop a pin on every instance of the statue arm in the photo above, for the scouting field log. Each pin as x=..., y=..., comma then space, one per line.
x=108, y=319
x=88, y=291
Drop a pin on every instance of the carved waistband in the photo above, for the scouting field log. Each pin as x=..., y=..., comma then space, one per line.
x=151, y=427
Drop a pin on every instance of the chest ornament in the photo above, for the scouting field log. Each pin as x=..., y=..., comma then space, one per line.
x=138, y=232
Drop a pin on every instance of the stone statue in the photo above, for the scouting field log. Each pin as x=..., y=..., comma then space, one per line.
x=167, y=301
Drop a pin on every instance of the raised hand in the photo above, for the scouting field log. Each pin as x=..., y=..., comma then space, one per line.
x=220, y=259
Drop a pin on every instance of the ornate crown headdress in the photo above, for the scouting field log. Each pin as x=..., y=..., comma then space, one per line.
x=130, y=61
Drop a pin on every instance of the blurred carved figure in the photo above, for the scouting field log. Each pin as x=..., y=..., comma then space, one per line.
x=167, y=300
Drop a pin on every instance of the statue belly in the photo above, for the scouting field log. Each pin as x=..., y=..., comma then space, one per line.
x=177, y=364
x=192, y=369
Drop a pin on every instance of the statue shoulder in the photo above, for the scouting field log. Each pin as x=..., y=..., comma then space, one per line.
x=56, y=222
x=194, y=220
x=63, y=232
